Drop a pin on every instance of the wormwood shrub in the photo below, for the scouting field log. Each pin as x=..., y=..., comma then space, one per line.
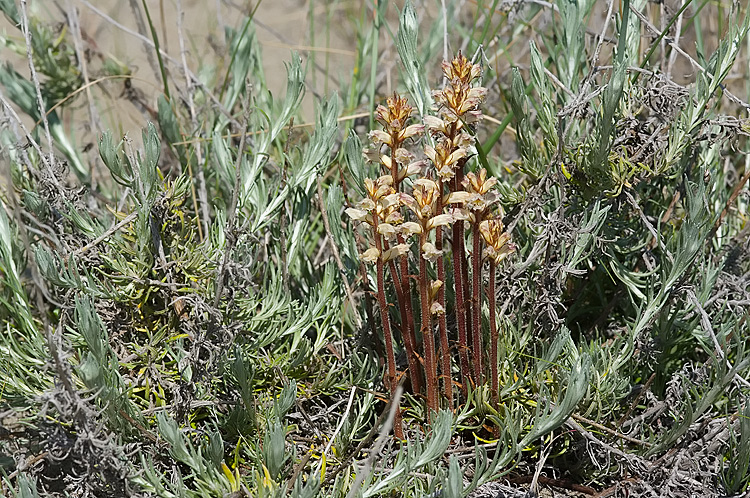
x=193, y=314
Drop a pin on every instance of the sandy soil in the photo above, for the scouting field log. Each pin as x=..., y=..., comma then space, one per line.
x=111, y=28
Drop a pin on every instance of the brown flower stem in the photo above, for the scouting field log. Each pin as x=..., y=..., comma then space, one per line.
x=409, y=334
x=386, y=322
x=494, y=381
x=428, y=340
x=458, y=281
x=445, y=357
x=369, y=308
x=404, y=296
x=396, y=280
x=476, y=300
x=459, y=256
x=465, y=274
x=445, y=353
x=407, y=330
x=407, y=324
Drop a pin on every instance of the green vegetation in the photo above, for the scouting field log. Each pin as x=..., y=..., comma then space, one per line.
x=533, y=264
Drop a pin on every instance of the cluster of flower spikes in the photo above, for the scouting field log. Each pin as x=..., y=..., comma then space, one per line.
x=448, y=199
x=458, y=110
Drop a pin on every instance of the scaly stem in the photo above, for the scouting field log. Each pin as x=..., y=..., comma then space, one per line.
x=404, y=293
x=464, y=267
x=445, y=352
x=409, y=333
x=428, y=340
x=445, y=356
x=476, y=300
x=465, y=274
x=407, y=325
x=459, y=282
x=495, y=381
x=462, y=260
x=385, y=320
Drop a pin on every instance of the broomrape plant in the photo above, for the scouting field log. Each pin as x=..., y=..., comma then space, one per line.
x=178, y=318
x=400, y=211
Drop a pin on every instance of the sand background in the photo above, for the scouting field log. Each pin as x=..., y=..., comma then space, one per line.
x=322, y=31
x=111, y=29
